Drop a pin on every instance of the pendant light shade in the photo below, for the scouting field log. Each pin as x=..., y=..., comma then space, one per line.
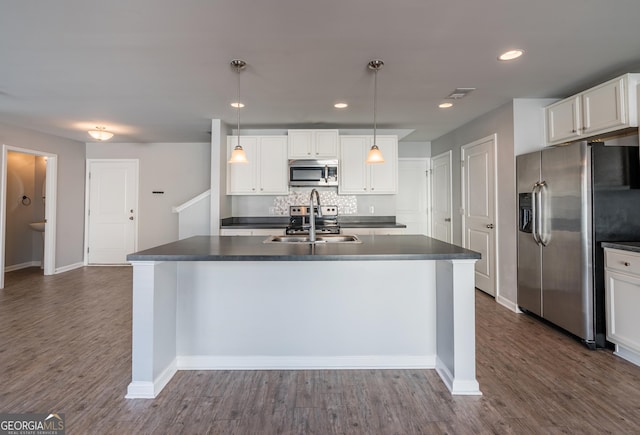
x=100, y=133
x=238, y=155
x=375, y=155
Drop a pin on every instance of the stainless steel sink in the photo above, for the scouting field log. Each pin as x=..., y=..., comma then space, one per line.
x=337, y=238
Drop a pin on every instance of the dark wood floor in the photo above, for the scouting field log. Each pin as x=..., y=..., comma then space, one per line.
x=65, y=346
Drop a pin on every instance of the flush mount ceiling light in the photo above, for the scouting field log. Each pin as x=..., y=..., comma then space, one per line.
x=375, y=156
x=238, y=155
x=341, y=105
x=445, y=105
x=237, y=105
x=100, y=133
x=511, y=54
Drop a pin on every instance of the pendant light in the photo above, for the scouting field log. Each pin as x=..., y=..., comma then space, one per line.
x=375, y=156
x=238, y=155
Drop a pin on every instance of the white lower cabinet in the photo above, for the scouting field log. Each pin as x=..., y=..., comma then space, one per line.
x=372, y=231
x=622, y=287
x=266, y=171
x=252, y=232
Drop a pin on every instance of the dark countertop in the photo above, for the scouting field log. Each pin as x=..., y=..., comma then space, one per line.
x=281, y=222
x=252, y=248
x=624, y=246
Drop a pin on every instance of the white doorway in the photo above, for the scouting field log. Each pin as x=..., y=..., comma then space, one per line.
x=111, y=210
x=479, y=205
x=412, y=199
x=441, y=206
x=50, y=192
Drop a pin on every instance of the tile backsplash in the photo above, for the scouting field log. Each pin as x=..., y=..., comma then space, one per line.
x=347, y=204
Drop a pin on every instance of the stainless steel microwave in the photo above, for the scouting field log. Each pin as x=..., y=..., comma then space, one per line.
x=313, y=172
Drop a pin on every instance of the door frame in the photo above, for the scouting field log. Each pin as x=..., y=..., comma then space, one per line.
x=448, y=153
x=496, y=263
x=87, y=197
x=51, y=189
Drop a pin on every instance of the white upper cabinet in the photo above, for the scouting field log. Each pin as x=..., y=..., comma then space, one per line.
x=266, y=171
x=605, y=108
x=313, y=144
x=359, y=178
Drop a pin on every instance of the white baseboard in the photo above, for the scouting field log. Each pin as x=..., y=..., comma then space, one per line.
x=69, y=267
x=512, y=306
x=22, y=266
x=148, y=389
x=628, y=354
x=457, y=387
x=305, y=363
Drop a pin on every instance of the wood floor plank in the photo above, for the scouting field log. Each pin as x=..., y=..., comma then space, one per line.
x=65, y=346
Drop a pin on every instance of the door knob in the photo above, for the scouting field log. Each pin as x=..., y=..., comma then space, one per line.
x=490, y=226
x=130, y=218
x=447, y=219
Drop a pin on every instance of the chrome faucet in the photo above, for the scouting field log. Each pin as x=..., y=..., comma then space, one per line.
x=312, y=215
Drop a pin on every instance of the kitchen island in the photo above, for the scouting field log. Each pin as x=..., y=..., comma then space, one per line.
x=237, y=303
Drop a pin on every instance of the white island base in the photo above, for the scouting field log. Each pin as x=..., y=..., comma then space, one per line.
x=297, y=315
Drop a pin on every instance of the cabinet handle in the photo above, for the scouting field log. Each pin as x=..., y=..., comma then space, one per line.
x=573, y=131
x=626, y=263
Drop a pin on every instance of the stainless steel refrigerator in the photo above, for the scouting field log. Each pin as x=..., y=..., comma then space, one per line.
x=570, y=199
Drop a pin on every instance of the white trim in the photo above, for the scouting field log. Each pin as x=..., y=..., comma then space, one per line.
x=192, y=201
x=628, y=354
x=22, y=266
x=51, y=180
x=459, y=387
x=510, y=305
x=258, y=362
x=69, y=267
x=151, y=389
x=496, y=263
x=87, y=198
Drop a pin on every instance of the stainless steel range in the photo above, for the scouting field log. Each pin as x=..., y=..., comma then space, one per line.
x=326, y=224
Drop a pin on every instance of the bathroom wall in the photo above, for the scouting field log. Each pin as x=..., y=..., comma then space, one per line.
x=25, y=176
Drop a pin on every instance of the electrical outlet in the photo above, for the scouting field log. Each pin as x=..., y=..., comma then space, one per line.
x=371, y=209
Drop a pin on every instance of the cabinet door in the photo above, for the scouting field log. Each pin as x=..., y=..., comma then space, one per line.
x=353, y=173
x=242, y=177
x=563, y=121
x=273, y=166
x=326, y=144
x=622, y=301
x=384, y=176
x=603, y=107
x=300, y=144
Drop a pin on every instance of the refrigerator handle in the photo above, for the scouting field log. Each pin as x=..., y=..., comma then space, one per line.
x=542, y=188
x=534, y=213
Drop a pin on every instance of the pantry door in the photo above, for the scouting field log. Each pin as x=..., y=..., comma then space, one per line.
x=441, y=199
x=479, y=205
x=112, y=212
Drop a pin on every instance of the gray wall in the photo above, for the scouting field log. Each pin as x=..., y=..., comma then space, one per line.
x=181, y=170
x=70, y=207
x=500, y=122
x=414, y=149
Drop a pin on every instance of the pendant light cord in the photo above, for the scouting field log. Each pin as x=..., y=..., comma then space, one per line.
x=375, y=101
x=238, y=69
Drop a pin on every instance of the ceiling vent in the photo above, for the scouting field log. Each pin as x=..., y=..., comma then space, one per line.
x=459, y=93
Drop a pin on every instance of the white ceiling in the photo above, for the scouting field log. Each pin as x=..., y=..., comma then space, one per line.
x=158, y=70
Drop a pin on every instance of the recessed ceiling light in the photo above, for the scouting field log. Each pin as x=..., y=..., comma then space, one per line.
x=237, y=105
x=341, y=105
x=445, y=105
x=511, y=54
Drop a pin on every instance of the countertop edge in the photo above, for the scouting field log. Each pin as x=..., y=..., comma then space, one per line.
x=623, y=246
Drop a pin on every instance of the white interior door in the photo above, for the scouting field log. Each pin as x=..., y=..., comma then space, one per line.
x=478, y=196
x=441, y=199
x=412, y=199
x=112, y=187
